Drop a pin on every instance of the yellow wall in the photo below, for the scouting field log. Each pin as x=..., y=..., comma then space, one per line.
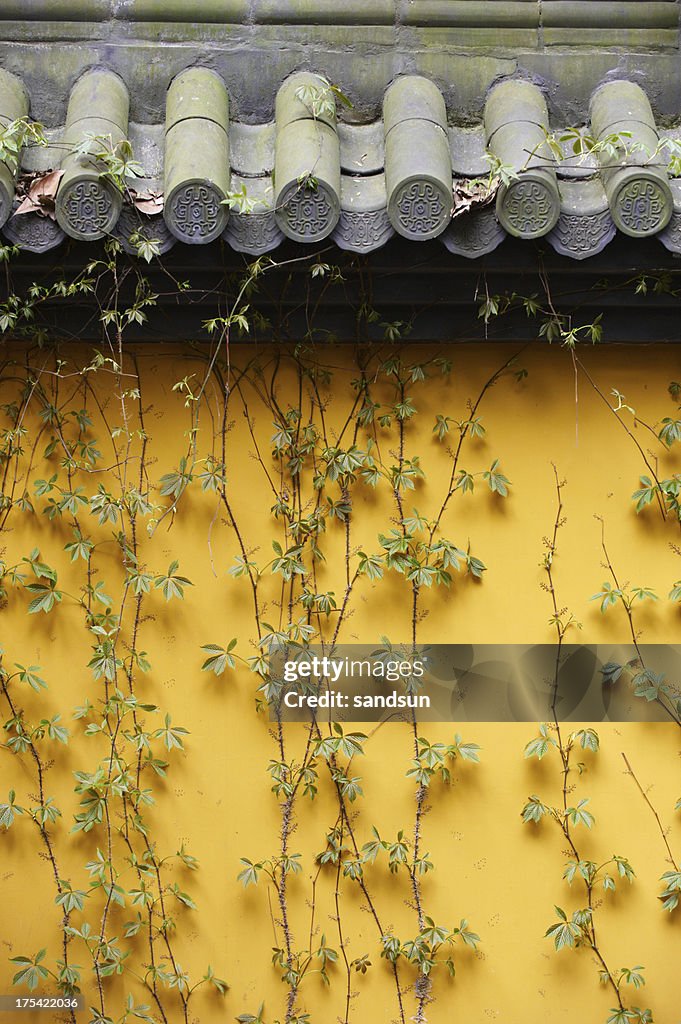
x=503, y=876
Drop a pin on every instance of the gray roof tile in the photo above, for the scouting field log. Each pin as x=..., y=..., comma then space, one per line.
x=312, y=175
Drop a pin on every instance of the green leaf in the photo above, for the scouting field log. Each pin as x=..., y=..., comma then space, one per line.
x=218, y=658
x=475, y=566
x=670, y=431
x=465, y=482
x=31, y=971
x=534, y=809
x=441, y=427
x=540, y=746
x=9, y=810
x=588, y=739
x=182, y=897
x=80, y=547
x=29, y=675
x=611, y=672
x=565, y=932
x=56, y=731
x=249, y=874
x=633, y=976
x=70, y=899
x=47, y=812
x=645, y=495
x=351, y=788
x=619, y=1016
x=171, y=584
x=141, y=583
x=608, y=596
x=624, y=868
x=249, y=1018
x=672, y=890
x=216, y=982
x=171, y=735
x=496, y=481
x=470, y=938
x=173, y=484
x=579, y=816
x=46, y=599
x=466, y=751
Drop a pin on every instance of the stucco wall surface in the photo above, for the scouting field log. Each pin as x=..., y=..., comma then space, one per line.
x=501, y=875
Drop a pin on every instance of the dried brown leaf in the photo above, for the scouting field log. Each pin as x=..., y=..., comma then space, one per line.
x=471, y=195
x=41, y=195
x=148, y=202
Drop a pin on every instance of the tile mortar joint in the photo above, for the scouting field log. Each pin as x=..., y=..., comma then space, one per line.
x=403, y=65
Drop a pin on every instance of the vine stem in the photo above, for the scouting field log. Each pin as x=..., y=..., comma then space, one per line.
x=628, y=432
x=669, y=711
x=423, y=985
x=463, y=433
x=649, y=803
x=341, y=939
x=565, y=748
x=44, y=834
x=267, y=395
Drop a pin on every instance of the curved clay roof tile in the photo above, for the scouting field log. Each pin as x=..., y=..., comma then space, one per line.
x=307, y=177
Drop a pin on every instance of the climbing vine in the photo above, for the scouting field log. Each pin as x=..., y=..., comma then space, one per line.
x=123, y=911
x=579, y=930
